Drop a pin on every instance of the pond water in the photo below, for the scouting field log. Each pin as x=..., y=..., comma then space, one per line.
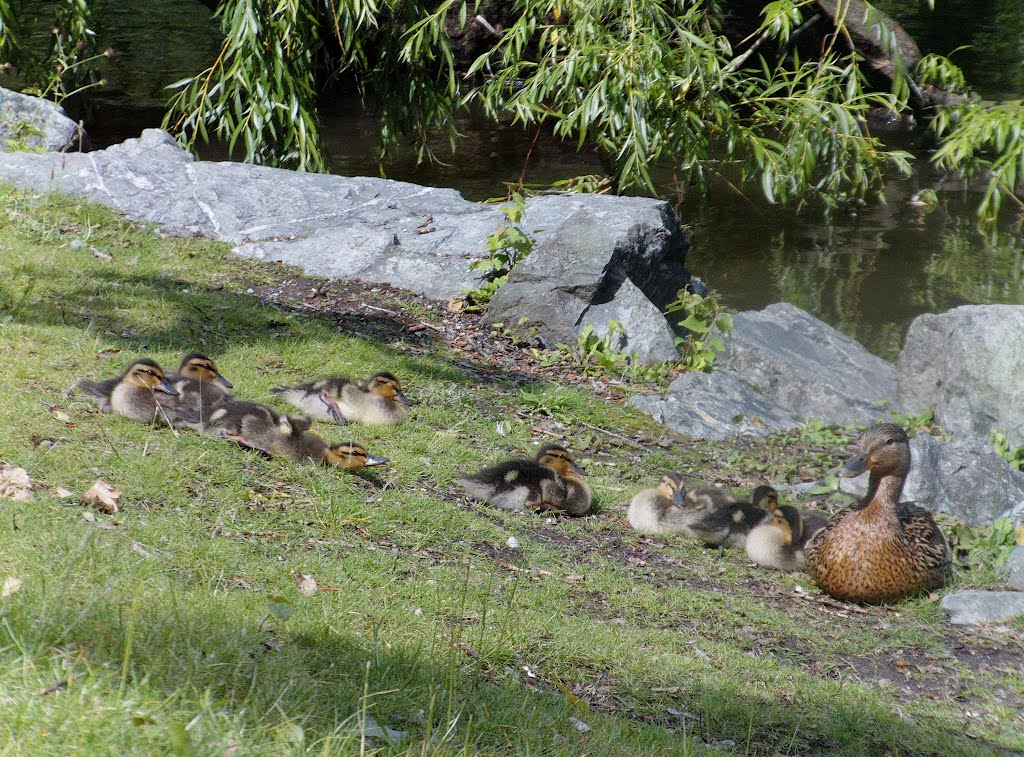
x=868, y=273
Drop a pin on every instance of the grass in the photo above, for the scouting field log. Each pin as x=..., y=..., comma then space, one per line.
x=176, y=626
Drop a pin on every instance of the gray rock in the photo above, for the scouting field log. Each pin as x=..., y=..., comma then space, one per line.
x=967, y=363
x=964, y=478
x=1014, y=568
x=382, y=231
x=715, y=406
x=618, y=260
x=33, y=123
x=808, y=368
x=977, y=607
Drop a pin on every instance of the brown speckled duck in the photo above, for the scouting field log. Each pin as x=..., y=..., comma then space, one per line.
x=879, y=550
x=551, y=481
x=141, y=393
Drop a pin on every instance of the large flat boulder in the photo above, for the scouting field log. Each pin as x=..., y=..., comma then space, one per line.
x=32, y=123
x=808, y=368
x=611, y=259
x=963, y=477
x=979, y=607
x=391, y=232
x=967, y=364
x=715, y=406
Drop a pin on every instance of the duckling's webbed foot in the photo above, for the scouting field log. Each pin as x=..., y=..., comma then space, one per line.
x=333, y=409
x=543, y=507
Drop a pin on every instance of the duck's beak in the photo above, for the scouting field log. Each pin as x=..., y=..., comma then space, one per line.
x=224, y=382
x=371, y=461
x=165, y=387
x=333, y=409
x=404, y=400
x=577, y=469
x=679, y=497
x=854, y=467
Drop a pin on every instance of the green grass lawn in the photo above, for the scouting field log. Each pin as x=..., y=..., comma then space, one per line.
x=176, y=625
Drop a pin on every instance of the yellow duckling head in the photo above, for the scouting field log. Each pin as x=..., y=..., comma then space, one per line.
x=351, y=456
x=146, y=374
x=558, y=459
x=765, y=497
x=673, y=487
x=386, y=385
x=884, y=450
x=198, y=366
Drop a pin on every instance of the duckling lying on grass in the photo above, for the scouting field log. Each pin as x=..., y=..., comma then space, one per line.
x=660, y=510
x=134, y=394
x=551, y=481
x=259, y=427
x=728, y=524
x=777, y=542
x=201, y=390
x=880, y=549
x=378, y=401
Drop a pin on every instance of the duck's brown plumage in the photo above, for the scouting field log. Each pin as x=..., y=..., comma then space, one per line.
x=142, y=393
x=662, y=509
x=880, y=550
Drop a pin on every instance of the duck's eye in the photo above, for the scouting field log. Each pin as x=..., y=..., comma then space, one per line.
x=890, y=441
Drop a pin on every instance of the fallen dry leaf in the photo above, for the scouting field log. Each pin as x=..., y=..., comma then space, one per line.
x=97, y=253
x=15, y=483
x=63, y=493
x=305, y=583
x=59, y=414
x=104, y=496
x=11, y=586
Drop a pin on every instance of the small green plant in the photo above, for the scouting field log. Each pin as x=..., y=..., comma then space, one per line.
x=819, y=434
x=21, y=132
x=915, y=422
x=1012, y=455
x=505, y=248
x=698, y=350
x=552, y=404
x=986, y=545
x=594, y=354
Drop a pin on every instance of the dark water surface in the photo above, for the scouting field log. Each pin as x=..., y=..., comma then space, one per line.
x=869, y=274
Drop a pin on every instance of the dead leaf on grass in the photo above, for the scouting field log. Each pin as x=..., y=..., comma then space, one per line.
x=59, y=414
x=11, y=586
x=63, y=493
x=98, y=253
x=305, y=583
x=103, y=496
x=15, y=483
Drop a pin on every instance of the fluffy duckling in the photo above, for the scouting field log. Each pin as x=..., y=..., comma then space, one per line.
x=134, y=394
x=551, y=481
x=777, y=542
x=201, y=390
x=721, y=522
x=378, y=401
x=809, y=521
x=196, y=366
x=660, y=510
x=260, y=427
x=881, y=549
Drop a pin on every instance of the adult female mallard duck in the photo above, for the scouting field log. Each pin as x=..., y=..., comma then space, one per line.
x=141, y=393
x=378, y=401
x=551, y=481
x=881, y=549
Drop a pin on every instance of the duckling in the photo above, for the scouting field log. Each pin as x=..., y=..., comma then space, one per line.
x=551, y=481
x=880, y=549
x=196, y=366
x=719, y=522
x=378, y=401
x=776, y=542
x=810, y=521
x=201, y=390
x=262, y=428
x=133, y=394
x=660, y=510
